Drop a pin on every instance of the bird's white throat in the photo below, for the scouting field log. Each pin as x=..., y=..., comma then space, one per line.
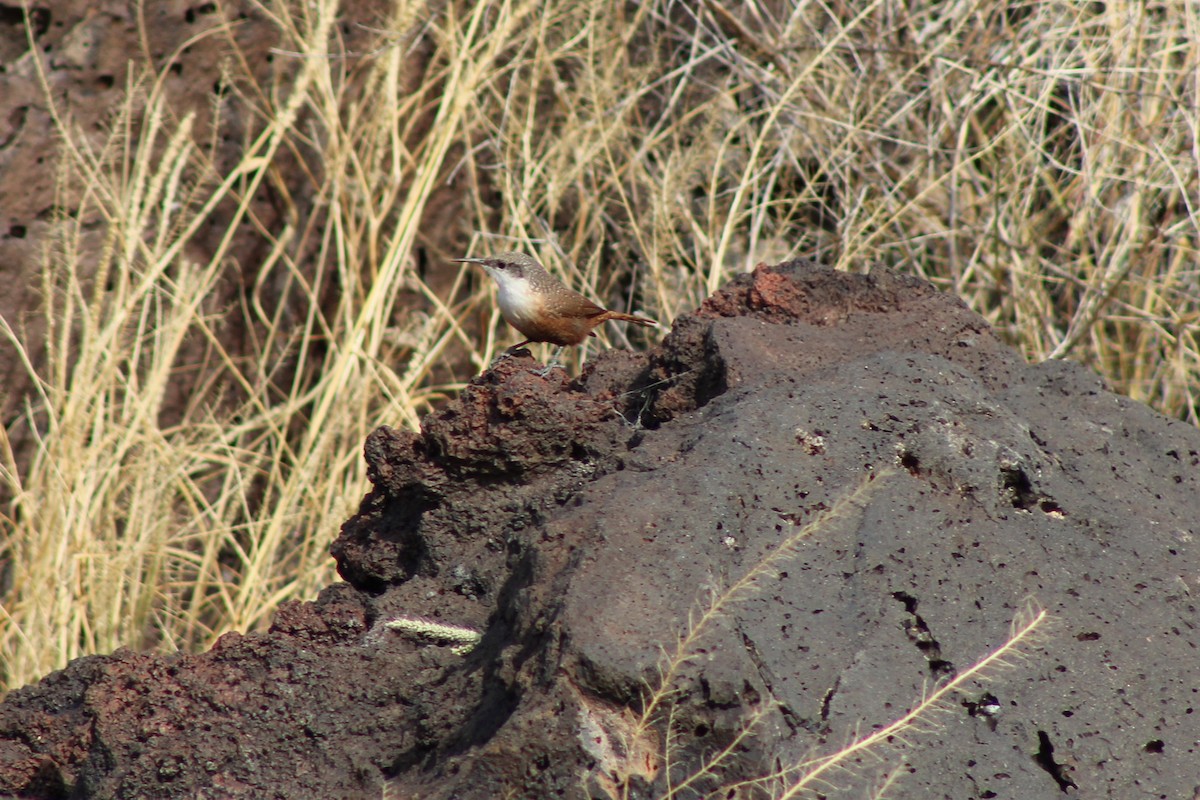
x=516, y=297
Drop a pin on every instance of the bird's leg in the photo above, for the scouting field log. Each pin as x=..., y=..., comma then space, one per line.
x=553, y=364
x=508, y=353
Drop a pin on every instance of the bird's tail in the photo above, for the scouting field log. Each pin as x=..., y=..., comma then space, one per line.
x=618, y=315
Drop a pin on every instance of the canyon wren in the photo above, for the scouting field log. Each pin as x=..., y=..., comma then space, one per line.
x=540, y=306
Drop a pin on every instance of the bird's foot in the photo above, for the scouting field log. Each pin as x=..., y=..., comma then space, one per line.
x=552, y=365
x=509, y=353
x=547, y=369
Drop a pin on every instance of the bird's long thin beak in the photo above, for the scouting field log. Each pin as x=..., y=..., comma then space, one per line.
x=468, y=260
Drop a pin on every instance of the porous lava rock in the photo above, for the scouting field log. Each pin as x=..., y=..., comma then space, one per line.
x=582, y=528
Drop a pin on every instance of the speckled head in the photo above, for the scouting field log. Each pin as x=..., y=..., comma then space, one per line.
x=509, y=266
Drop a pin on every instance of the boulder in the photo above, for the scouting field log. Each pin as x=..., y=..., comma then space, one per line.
x=733, y=564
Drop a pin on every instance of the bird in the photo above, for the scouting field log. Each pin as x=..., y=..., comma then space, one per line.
x=540, y=306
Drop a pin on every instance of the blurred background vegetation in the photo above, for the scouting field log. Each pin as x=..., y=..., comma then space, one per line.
x=243, y=271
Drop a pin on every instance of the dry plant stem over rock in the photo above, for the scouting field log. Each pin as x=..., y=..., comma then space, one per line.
x=811, y=772
x=719, y=600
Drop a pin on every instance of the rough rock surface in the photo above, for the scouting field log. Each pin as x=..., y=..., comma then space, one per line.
x=580, y=525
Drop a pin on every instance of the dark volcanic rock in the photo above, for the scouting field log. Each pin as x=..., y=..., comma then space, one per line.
x=584, y=527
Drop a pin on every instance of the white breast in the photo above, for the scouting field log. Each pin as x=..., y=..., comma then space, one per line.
x=517, y=300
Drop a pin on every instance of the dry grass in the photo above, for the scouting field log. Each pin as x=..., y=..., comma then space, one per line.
x=1040, y=160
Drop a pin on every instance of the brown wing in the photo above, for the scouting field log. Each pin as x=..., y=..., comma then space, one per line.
x=574, y=317
x=571, y=305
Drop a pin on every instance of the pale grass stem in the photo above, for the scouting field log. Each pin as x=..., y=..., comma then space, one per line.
x=661, y=697
x=1024, y=627
x=719, y=602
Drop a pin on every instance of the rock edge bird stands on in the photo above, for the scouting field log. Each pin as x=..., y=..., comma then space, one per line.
x=540, y=306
